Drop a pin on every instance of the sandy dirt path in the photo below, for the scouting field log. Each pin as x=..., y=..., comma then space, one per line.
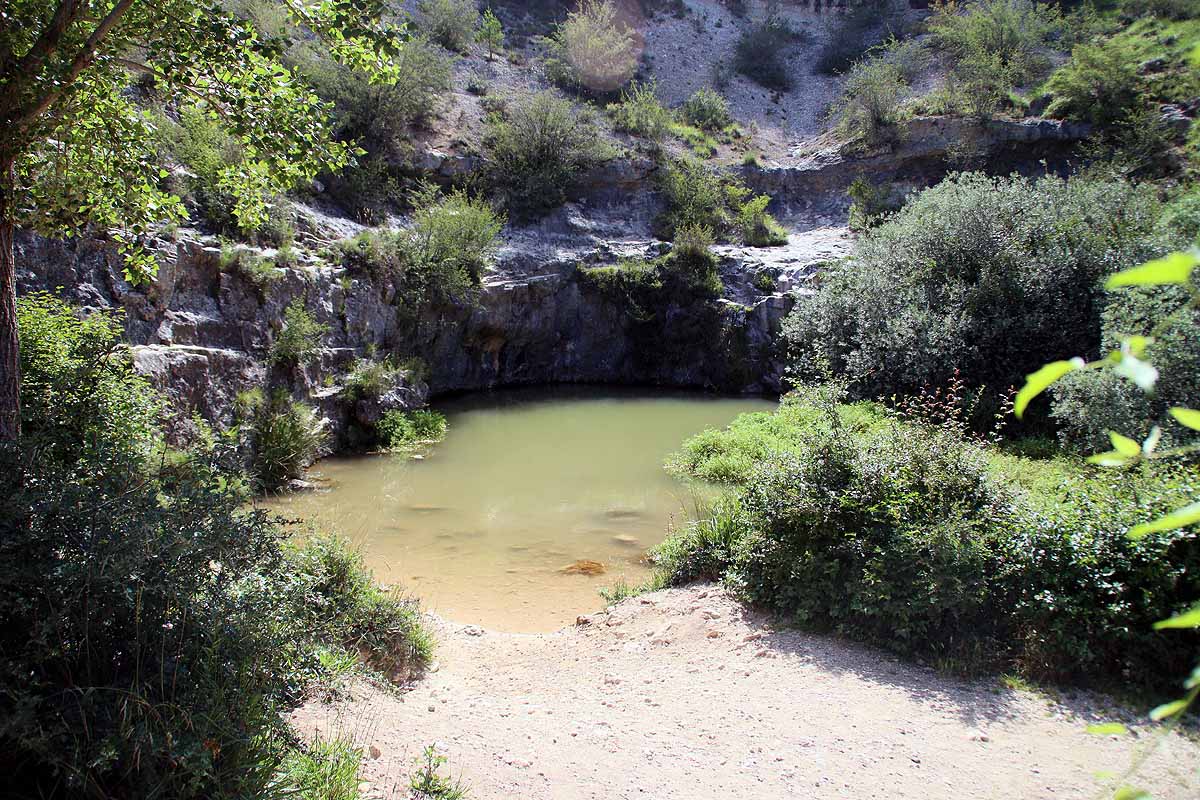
x=684, y=694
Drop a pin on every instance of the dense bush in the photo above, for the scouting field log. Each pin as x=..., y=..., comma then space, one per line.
x=856, y=34
x=698, y=196
x=869, y=105
x=1014, y=33
x=286, y=436
x=213, y=159
x=152, y=628
x=759, y=54
x=300, y=337
x=379, y=115
x=906, y=536
x=369, y=379
x=442, y=254
x=1088, y=405
x=593, y=49
x=1099, y=84
x=994, y=276
x=402, y=430
x=539, y=151
x=640, y=112
x=707, y=110
x=450, y=23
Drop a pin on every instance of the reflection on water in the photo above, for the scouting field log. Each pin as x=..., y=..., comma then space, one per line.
x=497, y=524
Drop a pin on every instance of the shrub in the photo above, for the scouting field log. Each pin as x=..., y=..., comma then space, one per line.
x=869, y=105
x=707, y=110
x=856, y=34
x=369, y=379
x=1013, y=32
x=326, y=769
x=450, y=23
x=907, y=536
x=1163, y=9
x=699, y=197
x=403, y=430
x=490, y=34
x=759, y=54
x=342, y=604
x=593, y=49
x=995, y=276
x=286, y=436
x=869, y=203
x=757, y=227
x=442, y=255
x=152, y=629
x=1099, y=84
x=299, y=338
x=1089, y=405
x=538, y=153
x=380, y=114
x=692, y=259
x=640, y=112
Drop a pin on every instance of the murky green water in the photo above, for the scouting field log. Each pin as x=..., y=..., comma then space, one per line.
x=526, y=483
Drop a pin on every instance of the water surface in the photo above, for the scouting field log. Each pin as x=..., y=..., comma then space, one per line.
x=526, y=483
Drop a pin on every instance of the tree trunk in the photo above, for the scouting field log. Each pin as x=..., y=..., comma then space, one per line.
x=10, y=361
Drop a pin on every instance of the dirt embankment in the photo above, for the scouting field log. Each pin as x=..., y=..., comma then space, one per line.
x=684, y=694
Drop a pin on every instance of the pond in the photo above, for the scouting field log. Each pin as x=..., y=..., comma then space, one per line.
x=484, y=529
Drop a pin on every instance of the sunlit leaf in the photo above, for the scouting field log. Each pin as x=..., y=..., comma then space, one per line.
x=1124, y=445
x=1107, y=729
x=1129, y=793
x=1037, y=382
x=1188, y=619
x=1187, y=416
x=1188, y=515
x=1170, y=709
x=1151, y=441
x=1110, y=459
x=1175, y=268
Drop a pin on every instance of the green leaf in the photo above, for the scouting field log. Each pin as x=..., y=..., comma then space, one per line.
x=1168, y=710
x=1107, y=729
x=1188, y=515
x=1124, y=445
x=1187, y=416
x=1038, y=382
x=1188, y=619
x=1175, y=268
x=1129, y=793
x=1110, y=459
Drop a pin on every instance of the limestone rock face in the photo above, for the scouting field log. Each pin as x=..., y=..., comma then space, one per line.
x=202, y=329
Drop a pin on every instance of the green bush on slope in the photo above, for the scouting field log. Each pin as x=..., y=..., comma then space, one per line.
x=152, y=628
x=904, y=535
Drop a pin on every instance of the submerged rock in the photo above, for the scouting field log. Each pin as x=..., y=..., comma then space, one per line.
x=584, y=566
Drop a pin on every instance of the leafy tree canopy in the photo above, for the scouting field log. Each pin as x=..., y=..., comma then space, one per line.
x=77, y=148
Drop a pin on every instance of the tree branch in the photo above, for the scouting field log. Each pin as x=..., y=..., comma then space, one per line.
x=82, y=60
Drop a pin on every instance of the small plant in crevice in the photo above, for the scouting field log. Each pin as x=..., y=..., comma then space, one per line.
x=428, y=782
x=300, y=337
x=369, y=379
